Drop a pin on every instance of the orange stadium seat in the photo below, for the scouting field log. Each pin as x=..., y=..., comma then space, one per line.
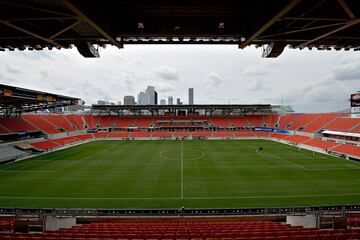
x=297, y=138
x=3, y=130
x=76, y=120
x=219, y=121
x=91, y=121
x=138, y=134
x=160, y=134
x=239, y=121
x=319, y=122
x=17, y=124
x=101, y=134
x=124, y=122
x=262, y=134
x=107, y=121
x=222, y=134
x=65, y=140
x=59, y=121
x=118, y=135
x=302, y=120
x=201, y=134
x=42, y=123
x=255, y=120
x=45, y=145
x=347, y=149
x=320, y=143
x=255, y=230
x=181, y=134
x=285, y=120
x=342, y=124
x=84, y=136
x=279, y=135
x=271, y=120
x=144, y=122
x=244, y=134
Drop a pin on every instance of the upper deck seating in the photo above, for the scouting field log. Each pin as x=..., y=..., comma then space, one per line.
x=342, y=124
x=222, y=134
x=302, y=120
x=16, y=124
x=255, y=120
x=219, y=121
x=42, y=123
x=59, y=121
x=75, y=120
x=286, y=120
x=319, y=122
x=239, y=121
x=144, y=122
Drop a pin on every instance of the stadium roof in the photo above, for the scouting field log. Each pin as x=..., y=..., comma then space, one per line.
x=274, y=24
x=207, y=108
x=14, y=100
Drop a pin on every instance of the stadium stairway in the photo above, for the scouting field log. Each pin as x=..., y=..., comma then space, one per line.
x=256, y=230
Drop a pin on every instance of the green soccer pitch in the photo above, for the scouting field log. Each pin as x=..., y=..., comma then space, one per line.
x=174, y=174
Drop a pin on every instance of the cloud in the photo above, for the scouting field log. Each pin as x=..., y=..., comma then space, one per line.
x=214, y=82
x=255, y=71
x=13, y=69
x=256, y=86
x=348, y=71
x=166, y=73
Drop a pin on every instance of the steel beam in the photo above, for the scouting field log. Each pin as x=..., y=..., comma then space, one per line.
x=84, y=18
x=346, y=25
x=31, y=33
x=290, y=6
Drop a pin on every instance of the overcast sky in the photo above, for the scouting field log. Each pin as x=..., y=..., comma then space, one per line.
x=310, y=81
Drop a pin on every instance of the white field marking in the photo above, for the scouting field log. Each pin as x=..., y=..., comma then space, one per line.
x=68, y=165
x=177, y=198
x=352, y=166
x=161, y=155
x=182, y=169
x=281, y=158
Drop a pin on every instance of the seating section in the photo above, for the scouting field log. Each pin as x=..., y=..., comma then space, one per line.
x=239, y=121
x=302, y=121
x=75, y=120
x=124, y=122
x=256, y=120
x=219, y=121
x=262, y=134
x=40, y=122
x=342, y=124
x=297, y=138
x=45, y=145
x=271, y=120
x=244, y=134
x=287, y=119
x=118, y=135
x=3, y=130
x=159, y=134
x=144, y=122
x=59, y=122
x=279, y=135
x=201, y=134
x=140, y=134
x=255, y=230
x=319, y=122
x=17, y=124
x=222, y=134
x=320, y=143
x=107, y=121
x=347, y=149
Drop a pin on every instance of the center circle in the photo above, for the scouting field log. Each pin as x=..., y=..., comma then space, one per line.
x=200, y=154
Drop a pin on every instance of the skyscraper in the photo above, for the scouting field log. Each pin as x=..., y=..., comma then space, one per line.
x=178, y=101
x=155, y=98
x=143, y=98
x=191, y=96
x=170, y=100
x=162, y=102
x=129, y=100
x=150, y=91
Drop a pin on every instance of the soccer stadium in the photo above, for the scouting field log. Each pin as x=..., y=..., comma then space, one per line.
x=176, y=171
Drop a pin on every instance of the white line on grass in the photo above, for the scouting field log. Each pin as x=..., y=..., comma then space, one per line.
x=176, y=198
x=182, y=169
x=281, y=158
